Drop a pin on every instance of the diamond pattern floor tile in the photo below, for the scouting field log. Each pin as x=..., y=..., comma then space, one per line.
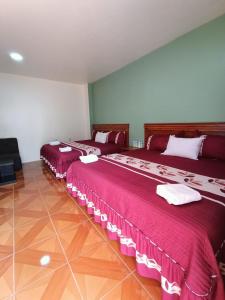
x=6, y=277
x=130, y=289
x=30, y=263
x=51, y=248
x=59, y=285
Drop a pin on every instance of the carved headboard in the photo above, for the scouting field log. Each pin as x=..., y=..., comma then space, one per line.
x=114, y=127
x=188, y=129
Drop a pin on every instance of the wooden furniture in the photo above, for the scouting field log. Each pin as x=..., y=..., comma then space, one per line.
x=212, y=128
x=114, y=127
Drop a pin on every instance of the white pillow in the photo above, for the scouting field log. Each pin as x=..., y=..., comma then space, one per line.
x=184, y=147
x=101, y=137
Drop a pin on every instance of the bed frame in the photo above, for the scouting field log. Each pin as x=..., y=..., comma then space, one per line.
x=114, y=127
x=189, y=129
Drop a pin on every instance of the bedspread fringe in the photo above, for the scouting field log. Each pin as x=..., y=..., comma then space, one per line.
x=151, y=260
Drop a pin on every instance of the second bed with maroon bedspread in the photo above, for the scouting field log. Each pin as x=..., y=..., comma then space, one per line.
x=59, y=162
x=181, y=246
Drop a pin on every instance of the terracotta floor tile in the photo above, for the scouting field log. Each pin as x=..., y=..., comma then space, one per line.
x=46, y=194
x=26, y=217
x=33, y=202
x=152, y=286
x=6, y=219
x=6, y=277
x=11, y=297
x=52, y=186
x=130, y=289
x=25, y=183
x=80, y=239
x=128, y=260
x=48, y=182
x=47, y=176
x=82, y=208
x=6, y=200
x=25, y=193
x=6, y=242
x=98, y=271
x=33, y=232
x=33, y=168
x=5, y=190
x=98, y=227
x=60, y=204
x=28, y=267
x=42, y=212
x=65, y=221
x=5, y=211
x=59, y=285
x=29, y=208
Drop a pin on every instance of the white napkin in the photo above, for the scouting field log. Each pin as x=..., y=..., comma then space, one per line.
x=65, y=149
x=88, y=158
x=54, y=143
x=177, y=194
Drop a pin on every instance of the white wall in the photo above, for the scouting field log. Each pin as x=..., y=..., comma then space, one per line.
x=37, y=111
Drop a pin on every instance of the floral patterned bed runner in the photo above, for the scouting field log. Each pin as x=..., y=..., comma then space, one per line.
x=88, y=149
x=207, y=184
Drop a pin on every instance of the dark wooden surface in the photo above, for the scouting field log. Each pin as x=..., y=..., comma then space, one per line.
x=215, y=128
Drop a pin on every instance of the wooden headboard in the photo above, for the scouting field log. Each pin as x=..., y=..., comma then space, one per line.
x=114, y=127
x=188, y=128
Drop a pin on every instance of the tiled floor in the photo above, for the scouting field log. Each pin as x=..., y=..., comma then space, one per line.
x=51, y=249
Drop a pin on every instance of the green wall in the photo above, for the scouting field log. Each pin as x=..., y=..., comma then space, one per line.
x=181, y=82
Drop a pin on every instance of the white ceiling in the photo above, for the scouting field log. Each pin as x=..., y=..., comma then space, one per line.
x=83, y=40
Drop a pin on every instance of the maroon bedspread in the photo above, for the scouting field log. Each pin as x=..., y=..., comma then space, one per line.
x=59, y=162
x=180, y=246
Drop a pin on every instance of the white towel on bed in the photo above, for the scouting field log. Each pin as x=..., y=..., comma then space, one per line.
x=65, y=149
x=177, y=194
x=89, y=158
x=54, y=143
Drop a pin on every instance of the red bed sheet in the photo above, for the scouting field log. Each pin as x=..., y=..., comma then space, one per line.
x=180, y=246
x=59, y=162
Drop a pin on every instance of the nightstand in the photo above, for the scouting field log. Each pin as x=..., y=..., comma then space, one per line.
x=129, y=148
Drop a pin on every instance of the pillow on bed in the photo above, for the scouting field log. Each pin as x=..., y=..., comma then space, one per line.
x=112, y=136
x=157, y=142
x=101, y=137
x=213, y=147
x=120, y=138
x=94, y=132
x=117, y=137
x=184, y=147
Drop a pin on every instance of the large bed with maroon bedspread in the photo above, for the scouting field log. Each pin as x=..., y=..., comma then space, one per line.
x=59, y=162
x=181, y=246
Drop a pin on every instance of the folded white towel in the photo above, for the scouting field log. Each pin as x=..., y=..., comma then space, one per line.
x=177, y=194
x=54, y=143
x=89, y=158
x=65, y=149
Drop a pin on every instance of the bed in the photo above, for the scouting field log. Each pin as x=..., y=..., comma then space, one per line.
x=182, y=247
x=59, y=162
